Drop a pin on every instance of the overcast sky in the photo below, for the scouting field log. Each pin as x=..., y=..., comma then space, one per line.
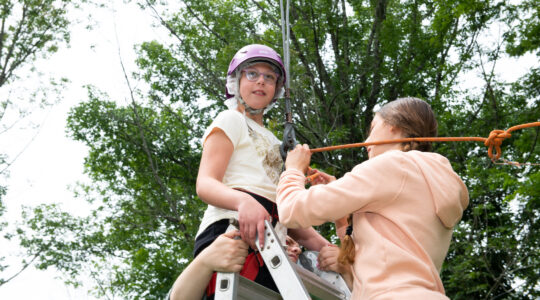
x=51, y=162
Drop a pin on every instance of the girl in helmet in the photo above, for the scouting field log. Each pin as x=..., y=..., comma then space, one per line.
x=241, y=163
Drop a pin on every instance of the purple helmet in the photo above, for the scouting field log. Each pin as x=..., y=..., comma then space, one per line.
x=257, y=52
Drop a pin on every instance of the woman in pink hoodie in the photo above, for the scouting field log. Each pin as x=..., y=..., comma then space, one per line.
x=403, y=202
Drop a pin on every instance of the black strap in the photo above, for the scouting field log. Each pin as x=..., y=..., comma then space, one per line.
x=219, y=227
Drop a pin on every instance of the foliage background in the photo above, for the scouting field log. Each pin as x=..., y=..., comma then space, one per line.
x=347, y=58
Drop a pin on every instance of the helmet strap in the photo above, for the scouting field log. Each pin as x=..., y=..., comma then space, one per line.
x=247, y=108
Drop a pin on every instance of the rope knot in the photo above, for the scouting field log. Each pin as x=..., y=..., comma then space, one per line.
x=495, y=139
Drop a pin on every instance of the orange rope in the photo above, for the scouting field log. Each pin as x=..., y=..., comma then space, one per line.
x=494, y=140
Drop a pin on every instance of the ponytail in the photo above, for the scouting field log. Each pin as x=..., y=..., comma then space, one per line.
x=414, y=117
x=347, y=249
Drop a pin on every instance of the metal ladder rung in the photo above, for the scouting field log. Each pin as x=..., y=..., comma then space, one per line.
x=249, y=290
x=232, y=286
x=318, y=287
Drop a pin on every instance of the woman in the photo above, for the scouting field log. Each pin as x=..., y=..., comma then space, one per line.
x=404, y=203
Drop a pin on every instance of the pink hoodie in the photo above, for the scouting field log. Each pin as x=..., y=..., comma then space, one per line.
x=405, y=206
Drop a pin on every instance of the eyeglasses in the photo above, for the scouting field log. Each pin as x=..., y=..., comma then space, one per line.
x=254, y=75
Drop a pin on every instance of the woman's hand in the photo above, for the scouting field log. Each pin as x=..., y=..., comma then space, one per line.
x=225, y=254
x=299, y=158
x=251, y=216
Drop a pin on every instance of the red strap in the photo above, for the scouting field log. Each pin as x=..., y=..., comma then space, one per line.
x=250, y=270
x=251, y=266
x=211, y=287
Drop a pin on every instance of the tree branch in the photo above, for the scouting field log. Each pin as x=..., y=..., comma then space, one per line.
x=144, y=142
x=195, y=58
x=26, y=265
x=3, y=76
x=204, y=24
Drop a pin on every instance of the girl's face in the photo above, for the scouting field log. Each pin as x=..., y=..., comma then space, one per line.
x=258, y=85
x=379, y=131
x=293, y=249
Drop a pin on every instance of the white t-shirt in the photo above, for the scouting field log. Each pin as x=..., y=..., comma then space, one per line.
x=255, y=164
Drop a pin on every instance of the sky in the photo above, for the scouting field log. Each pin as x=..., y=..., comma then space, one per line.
x=51, y=163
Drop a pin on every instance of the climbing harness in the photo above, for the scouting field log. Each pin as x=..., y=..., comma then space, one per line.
x=493, y=141
x=289, y=138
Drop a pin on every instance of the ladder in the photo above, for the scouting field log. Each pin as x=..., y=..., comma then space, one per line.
x=294, y=282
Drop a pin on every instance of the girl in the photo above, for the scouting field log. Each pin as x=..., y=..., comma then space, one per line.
x=241, y=162
x=404, y=203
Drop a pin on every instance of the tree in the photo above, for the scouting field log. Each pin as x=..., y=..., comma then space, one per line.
x=347, y=58
x=29, y=29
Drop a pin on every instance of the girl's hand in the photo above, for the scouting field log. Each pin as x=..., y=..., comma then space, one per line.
x=328, y=259
x=320, y=177
x=299, y=158
x=251, y=216
x=225, y=254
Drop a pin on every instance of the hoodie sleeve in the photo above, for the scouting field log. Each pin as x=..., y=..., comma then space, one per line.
x=366, y=187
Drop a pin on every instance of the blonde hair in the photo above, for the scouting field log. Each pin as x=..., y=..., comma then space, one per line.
x=347, y=249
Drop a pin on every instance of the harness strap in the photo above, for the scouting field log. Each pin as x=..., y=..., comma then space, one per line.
x=247, y=108
x=254, y=262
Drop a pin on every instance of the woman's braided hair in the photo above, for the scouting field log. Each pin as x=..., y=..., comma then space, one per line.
x=347, y=251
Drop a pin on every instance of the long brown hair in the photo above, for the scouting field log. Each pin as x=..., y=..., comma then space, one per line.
x=416, y=119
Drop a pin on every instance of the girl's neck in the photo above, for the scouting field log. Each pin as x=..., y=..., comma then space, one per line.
x=258, y=118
